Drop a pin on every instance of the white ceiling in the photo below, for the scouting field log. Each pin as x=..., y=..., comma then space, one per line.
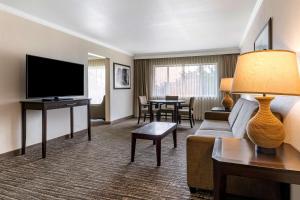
x=148, y=26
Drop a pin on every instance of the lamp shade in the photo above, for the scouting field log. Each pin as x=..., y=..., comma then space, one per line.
x=226, y=84
x=267, y=72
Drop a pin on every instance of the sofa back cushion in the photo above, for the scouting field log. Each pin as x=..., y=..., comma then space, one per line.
x=235, y=111
x=246, y=112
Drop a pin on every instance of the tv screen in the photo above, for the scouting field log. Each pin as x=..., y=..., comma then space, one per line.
x=53, y=78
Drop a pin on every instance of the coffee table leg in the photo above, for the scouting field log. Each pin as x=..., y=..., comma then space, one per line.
x=133, y=142
x=158, y=151
x=175, y=138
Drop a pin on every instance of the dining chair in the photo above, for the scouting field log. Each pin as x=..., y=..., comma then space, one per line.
x=187, y=113
x=144, y=109
x=168, y=108
x=186, y=104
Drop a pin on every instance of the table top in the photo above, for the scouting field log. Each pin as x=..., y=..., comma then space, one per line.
x=242, y=152
x=155, y=128
x=52, y=101
x=166, y=101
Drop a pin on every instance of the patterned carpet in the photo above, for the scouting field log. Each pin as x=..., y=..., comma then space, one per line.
x=100, y=169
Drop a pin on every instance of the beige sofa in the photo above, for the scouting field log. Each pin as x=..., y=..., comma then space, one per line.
x=200, y=145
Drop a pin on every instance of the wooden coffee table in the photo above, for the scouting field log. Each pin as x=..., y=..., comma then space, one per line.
x=155, y=131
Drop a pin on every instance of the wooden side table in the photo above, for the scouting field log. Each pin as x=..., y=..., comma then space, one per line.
x=238, y=157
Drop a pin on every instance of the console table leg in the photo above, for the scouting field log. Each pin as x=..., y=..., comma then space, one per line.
x=72, y=121
x=158, y=151
x=89, y=121
x=23, y=128
x=44, y=132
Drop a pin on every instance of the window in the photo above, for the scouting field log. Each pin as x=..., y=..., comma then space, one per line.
x=199, y=80
x=96, y=83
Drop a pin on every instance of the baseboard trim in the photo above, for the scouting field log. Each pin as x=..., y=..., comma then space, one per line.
x=17, y=152
x=119, y=120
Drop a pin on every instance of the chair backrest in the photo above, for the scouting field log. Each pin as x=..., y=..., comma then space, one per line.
x=192, y=103
x=142, y=100
x=171, y=97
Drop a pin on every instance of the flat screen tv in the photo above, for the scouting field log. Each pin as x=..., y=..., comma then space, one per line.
x=47, y=78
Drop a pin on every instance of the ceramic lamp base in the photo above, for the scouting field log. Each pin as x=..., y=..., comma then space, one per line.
x=264, y=129
x=227, y=101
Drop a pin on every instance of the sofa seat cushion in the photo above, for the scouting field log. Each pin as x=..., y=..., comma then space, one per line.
x=214, y=133
x=215, y=125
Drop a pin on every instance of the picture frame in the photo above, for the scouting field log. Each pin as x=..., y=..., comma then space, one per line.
x=264, y=40
x=121, y=76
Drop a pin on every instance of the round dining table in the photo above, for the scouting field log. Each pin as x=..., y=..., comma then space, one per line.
x=176, y=104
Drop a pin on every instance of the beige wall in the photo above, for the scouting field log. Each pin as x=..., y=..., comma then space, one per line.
x=19, y=37
x=286, y=35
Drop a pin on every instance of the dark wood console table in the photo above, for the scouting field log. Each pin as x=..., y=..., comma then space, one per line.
x=49, y=105
x=238, y=157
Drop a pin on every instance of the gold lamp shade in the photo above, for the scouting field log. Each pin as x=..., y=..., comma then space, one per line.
x=266, y=72
x=226, y=84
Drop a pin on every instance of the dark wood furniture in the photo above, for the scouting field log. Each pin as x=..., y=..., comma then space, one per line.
x=144, y=109
x=167, y=109
x=49, y=105
x=176, y=104
x=187, y=113
x=238, y=157
x=220, y=109
x=155, y=131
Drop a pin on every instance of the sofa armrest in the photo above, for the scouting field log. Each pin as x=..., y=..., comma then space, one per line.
x=199, y=162
x=222, y=116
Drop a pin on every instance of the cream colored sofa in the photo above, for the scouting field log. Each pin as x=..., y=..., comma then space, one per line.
x=200, y=146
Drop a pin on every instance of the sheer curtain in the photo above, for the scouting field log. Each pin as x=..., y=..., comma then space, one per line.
x=198, y=80
x=96, y=80
x=188, y=80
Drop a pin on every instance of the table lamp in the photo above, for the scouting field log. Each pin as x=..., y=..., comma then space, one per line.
x=225, y=86
x=265, y=72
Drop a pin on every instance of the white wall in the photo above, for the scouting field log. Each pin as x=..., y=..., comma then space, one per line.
x=286, y=35
x=19, y=37
x=121, y=103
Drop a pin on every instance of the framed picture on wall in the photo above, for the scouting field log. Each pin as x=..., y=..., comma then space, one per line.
x=122, y=76
x=264, y=39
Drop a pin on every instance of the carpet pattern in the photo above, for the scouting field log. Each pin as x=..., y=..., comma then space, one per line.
x=99, y=169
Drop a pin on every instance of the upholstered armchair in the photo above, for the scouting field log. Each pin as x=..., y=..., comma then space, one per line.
x=98, y=110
